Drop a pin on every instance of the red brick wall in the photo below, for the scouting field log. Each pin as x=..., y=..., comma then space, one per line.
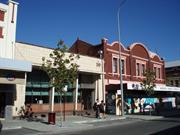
x=43, y=108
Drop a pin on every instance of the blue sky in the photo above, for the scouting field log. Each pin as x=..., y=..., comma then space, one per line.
x=155, y=23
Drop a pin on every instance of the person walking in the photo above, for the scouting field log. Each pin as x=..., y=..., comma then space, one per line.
x=96, y=108
x=102, y=109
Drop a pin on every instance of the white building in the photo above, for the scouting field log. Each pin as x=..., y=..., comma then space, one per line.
x=12, y=71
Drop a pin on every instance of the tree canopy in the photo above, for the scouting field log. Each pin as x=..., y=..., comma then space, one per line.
x=61, y=67
x=148, y=83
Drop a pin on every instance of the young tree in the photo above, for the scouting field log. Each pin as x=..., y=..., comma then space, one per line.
x=148, y=83
x=61, y=69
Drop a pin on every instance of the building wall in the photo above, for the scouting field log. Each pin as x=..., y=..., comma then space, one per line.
x=87, y=66
x=8, y=19
x=136, y=53
x=34, y=54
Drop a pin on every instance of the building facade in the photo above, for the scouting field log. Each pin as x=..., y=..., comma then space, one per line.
x=86, y=89
x=173, y=77
x=12, y=71
x=135, y=60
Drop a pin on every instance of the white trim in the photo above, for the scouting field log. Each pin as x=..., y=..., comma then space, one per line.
x=114, y=51
x=157, y=62
x=140, y=58
x=117, y=42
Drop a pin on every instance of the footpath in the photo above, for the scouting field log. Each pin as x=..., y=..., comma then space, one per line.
x=74, y=123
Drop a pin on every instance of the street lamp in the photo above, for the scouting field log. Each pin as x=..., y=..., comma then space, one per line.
x=121, y=80
x=100, y=52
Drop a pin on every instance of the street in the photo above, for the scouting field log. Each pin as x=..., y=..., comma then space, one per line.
x=165, y=126
x=158, y=127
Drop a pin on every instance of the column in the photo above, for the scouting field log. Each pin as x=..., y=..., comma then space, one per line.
x=51, y=99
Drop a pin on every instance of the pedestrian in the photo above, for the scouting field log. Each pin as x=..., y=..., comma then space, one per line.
x=102, y=109
x=96, y=108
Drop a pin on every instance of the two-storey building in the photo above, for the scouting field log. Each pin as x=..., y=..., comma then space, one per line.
x=135, y=60
x=12, y=71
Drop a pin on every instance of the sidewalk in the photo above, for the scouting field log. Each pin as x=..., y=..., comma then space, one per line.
x=71, y=123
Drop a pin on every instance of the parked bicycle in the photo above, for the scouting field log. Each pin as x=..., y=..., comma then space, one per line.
x=26, y=113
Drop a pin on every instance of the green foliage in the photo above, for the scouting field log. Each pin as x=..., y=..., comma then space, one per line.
x=148, y=82
x=60, y=67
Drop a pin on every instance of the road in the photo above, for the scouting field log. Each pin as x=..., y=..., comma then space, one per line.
x=165, y=126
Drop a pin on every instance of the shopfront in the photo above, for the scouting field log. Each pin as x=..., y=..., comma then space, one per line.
x=12, y=84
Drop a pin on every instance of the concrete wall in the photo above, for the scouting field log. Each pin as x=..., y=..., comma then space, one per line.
x=7, y=42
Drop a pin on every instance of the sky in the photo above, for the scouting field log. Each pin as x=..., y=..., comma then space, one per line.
x=155, y=23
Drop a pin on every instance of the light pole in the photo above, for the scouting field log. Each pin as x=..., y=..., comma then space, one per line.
x=102, y=73
x=121, y=80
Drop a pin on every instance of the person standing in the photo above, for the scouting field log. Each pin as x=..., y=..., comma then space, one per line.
x=102, y=109
x=96, y=108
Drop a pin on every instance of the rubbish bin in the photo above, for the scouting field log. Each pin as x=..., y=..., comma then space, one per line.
x=52, y=118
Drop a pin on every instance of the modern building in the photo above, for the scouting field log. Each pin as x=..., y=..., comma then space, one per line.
x=87, y=87
x=173, y=77
x=12, y=71
x=135, y=60
x=23, y=81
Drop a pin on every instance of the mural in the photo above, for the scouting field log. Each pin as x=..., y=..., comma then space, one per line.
x=136, y=105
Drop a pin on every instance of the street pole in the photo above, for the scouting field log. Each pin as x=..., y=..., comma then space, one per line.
x=121, y=79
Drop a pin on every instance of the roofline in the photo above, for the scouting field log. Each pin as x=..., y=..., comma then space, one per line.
x=25, y=43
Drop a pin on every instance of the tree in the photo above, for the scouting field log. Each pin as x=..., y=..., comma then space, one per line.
x=148, y=83
x=61, y=68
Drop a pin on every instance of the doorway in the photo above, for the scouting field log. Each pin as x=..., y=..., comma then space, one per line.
x=86, y=96
x=2, y=104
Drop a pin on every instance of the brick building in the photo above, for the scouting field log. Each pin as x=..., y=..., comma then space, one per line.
x=135, y=60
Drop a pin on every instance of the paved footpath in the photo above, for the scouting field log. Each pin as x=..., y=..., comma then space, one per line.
x=71, y=123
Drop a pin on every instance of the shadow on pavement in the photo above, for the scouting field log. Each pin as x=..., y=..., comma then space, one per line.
x=170, y=131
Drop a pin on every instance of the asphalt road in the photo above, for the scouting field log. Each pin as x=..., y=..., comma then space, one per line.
x=22, y=131
x=166, y=126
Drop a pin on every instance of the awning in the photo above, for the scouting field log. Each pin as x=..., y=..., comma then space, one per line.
x=158, y=87
x=17, y=65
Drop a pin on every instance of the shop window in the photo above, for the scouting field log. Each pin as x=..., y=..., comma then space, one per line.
x=115, y=65
x=1, y=15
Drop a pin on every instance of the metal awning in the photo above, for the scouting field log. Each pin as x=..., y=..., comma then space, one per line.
x=17, y=65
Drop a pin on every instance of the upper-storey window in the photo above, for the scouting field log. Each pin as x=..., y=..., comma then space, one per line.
x=143, y=68
x=122, y=66
x=1, y=15
x=137, y=69
x=1, y=32
x=115, y=64
x=157, y=70
x=140, y=68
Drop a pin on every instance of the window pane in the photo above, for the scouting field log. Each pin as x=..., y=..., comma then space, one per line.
x=137, y=69
x=159, y=73
x=114, y=65
x=143, y=69
x=122, y=66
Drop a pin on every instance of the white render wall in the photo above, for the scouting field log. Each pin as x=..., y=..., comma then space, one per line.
x=86, y=64
x=34, y=54
x=9, y=30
